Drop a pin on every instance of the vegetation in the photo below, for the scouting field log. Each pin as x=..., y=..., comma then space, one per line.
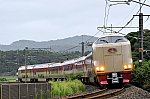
x=141, y=75
x=73, y=76
x=10, y=61
x=3, y=79
x=133, y=38
x=8, y=78
x=63, y=88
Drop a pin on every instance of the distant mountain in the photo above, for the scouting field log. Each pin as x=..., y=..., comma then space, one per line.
x=71, y=43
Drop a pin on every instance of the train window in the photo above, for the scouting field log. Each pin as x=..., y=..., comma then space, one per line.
x=34, y=73
x=102, y=40
x=111, y=39
x=116, y=39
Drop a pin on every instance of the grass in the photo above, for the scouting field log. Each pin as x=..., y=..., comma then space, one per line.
x=63, y=88
x=8, y=78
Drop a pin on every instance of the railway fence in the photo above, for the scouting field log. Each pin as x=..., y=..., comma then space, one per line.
x=25, y=91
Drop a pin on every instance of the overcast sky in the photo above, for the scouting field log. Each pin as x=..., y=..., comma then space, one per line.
x=44, y=20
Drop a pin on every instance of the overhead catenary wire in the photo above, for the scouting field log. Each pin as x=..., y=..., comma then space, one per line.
x=106, y=13
x=105, y=22
x=132, y=17
x=127, y=15
x=146, y=19
x=86, y=42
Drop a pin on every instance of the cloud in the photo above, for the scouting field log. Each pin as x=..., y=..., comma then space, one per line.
x=42, y=20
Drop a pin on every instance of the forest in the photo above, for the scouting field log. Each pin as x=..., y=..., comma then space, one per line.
x=11, y=60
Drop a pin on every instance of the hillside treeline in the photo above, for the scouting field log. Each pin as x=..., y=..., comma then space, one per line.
x=141, y=74
x=133, y=38
x=11, y=60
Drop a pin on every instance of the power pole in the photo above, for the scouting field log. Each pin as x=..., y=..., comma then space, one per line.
x=140, y=36
x=25, y=63
x=140, y=39
x=82, y=48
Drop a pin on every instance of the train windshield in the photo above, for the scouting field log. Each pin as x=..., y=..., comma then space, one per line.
x=111, y=39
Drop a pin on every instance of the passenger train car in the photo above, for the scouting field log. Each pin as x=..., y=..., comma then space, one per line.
x=55, y=71
x=110, y=62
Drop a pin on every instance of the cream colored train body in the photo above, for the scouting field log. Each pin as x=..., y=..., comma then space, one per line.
x=112, y=59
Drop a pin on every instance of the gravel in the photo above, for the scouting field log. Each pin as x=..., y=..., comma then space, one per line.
x=90, y=88
x=133, y=93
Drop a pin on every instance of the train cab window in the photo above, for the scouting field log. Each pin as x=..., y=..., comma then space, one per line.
x=102, y=40
x=111, y=39
x=117, y=39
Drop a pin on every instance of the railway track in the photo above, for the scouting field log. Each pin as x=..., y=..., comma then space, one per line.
x=100, y=94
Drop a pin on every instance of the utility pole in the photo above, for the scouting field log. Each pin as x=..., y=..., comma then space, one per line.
x=25, y=54
x=82, y=48
x=18, y=63
x=140, y=36
x=140, y=39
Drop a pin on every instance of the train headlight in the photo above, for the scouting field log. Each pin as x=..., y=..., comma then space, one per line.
x=100, y=69
x=125, y=67
x=129, y=66
x=97, y=68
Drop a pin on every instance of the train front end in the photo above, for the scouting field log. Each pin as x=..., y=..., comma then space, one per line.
x=112, y=59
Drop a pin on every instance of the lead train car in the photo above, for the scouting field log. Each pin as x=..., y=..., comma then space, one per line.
x=112, y=59
x=109, y=63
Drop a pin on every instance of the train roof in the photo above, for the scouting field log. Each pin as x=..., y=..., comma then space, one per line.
x=108, y=38
x=111, y=34
x=35, y=66
x=77, y=59
x=47, y=65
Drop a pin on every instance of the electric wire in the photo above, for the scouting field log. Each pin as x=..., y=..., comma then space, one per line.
x=146, y=19
x=127, y=15
x=132, y=17
x=86, y=43
x=105, y=24
x=106, y=13
x=92, y=36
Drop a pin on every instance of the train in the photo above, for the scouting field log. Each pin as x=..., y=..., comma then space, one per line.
x=110, y=62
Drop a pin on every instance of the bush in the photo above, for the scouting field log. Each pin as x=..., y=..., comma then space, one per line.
x=141, y=75
x=73, y=76
x=63, y=88
x=3, y=79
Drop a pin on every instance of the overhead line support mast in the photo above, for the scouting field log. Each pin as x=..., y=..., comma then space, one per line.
x=140, y=37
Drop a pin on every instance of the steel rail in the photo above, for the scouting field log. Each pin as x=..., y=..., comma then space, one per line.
x=109, y=94
x=97, y=94
x=81, y=96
